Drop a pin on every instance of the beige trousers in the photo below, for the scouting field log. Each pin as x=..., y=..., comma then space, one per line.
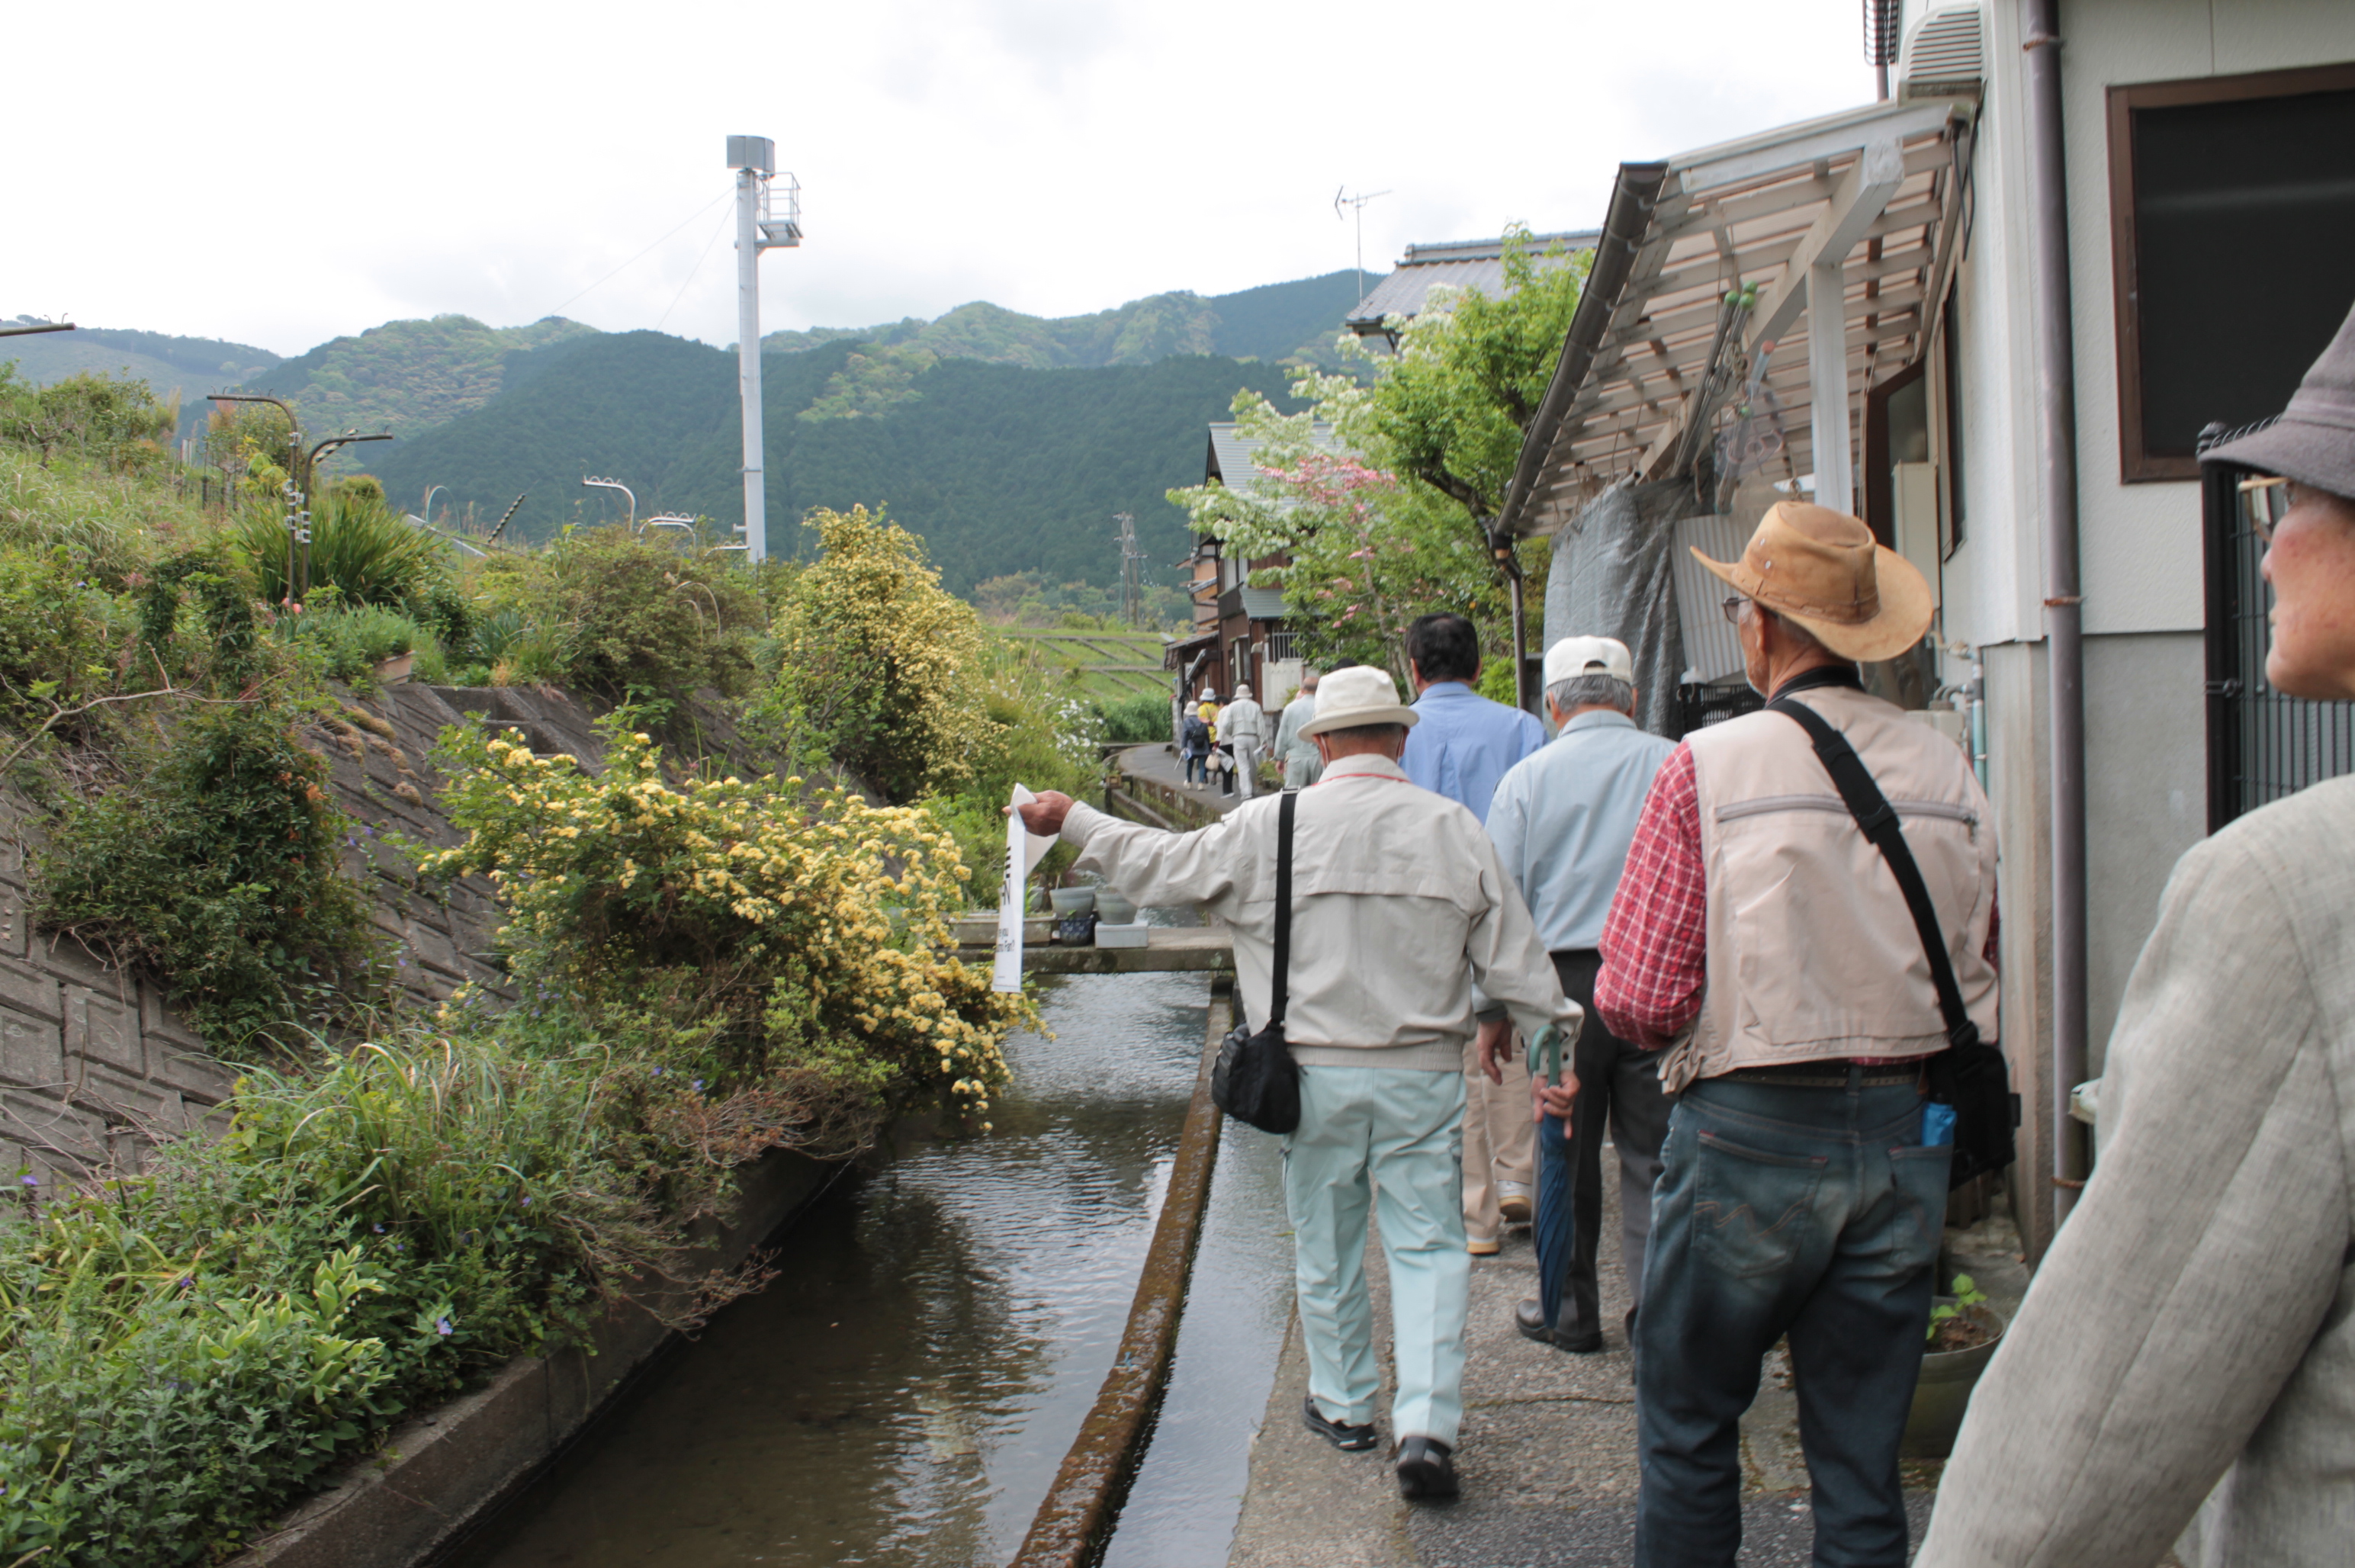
x=1499, y=1139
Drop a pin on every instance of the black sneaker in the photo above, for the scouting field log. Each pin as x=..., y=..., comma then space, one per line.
x=1425, y=1473
x=1340, y=1433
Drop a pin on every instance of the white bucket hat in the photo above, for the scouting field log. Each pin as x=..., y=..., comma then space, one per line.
x=1360, y=695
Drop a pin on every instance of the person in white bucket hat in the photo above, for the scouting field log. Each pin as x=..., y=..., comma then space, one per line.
x=1400, y=904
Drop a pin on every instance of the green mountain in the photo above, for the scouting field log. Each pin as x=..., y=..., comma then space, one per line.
x=190, y=367
x=405, y=377
x=1287, y=321
x=1002, y=468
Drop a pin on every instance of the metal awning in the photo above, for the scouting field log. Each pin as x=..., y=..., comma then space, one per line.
x=1860, y=206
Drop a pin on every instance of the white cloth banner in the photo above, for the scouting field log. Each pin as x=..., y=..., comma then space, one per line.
x=1023, y=848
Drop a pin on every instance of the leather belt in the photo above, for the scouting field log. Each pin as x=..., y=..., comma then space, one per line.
x=1830, y=1075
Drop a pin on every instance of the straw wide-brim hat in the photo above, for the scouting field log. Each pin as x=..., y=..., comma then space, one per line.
x=1364, y=695
x=1824, y=569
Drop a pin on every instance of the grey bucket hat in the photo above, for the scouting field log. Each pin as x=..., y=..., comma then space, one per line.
x=2313, y=441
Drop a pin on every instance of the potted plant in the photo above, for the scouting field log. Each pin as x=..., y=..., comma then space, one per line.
x=1964, y=1333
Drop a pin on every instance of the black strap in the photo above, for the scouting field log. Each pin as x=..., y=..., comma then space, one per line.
x=1281, y=994
x=1878, y=818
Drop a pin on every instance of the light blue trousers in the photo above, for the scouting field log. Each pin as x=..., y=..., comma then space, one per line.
x=1390, y=1135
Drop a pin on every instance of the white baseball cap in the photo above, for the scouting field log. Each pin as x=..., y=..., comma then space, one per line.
x=1573, y=656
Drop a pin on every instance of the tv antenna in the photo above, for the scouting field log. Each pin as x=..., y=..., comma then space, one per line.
x=1341, y=198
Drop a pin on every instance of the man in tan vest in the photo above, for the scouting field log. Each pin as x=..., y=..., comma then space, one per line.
x=1762, y=938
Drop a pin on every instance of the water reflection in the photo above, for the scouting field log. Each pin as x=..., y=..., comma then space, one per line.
x=904, y=1394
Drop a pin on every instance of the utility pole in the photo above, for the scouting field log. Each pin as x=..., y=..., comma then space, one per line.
x=760, y=226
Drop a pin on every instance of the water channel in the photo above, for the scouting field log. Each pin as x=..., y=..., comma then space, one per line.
x=904, y=1392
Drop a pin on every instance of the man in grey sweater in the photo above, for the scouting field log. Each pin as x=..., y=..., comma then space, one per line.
x=2191, y=1333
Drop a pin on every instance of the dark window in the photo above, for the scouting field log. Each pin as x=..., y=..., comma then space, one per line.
x=2233, y=216
x=2262, y=746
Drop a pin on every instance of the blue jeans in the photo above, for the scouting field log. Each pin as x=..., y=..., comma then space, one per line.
x=1815, y=1213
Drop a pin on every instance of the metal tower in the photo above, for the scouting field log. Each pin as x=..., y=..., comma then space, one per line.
x=1131, y=570
x=763, y=222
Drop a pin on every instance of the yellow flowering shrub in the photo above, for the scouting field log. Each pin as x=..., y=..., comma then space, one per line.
x=778, y=968
x=874, y=663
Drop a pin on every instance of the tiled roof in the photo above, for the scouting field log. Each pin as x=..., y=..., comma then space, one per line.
x=1463, y=263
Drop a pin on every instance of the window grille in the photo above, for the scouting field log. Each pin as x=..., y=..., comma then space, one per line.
x=1279, y=646
x=2262, y=746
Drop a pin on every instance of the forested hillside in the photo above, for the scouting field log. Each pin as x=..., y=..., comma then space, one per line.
x=191, y=367
x=1000, y=468
x=1275, y=321
x=406, y=375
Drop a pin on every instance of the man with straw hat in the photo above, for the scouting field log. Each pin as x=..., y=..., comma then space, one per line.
x=1400, y=904
x=1761, y=940
x=2190, y=1335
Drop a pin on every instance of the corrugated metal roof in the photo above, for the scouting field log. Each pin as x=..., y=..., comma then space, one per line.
x=1741, y=213
x=1462, y=264
x=1712, y=645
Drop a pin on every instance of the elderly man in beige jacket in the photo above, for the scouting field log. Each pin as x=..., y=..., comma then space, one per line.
x=1400, y=904
x=2191, y=1333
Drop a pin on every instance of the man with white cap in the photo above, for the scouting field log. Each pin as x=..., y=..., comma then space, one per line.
x=1400, y=904
x=1764, y=940
x=1243, y=723
x=1562, y=821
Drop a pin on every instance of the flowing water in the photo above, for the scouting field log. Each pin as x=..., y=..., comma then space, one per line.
x=904, y=1392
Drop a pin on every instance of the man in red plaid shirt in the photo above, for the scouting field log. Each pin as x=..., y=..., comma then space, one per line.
x=1761, y=939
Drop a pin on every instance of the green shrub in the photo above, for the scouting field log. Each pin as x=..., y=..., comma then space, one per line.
x=1144, y=716
x=352, y=642
x=633, y=620
x=111, y=420
x=189, y=1350
x=216, y=866
x=366, y=550
x=59, y=636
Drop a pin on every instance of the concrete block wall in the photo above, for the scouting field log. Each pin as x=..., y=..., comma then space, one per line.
x=96, y=1064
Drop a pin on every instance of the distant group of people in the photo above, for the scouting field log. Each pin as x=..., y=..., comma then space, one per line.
x=1737, y=970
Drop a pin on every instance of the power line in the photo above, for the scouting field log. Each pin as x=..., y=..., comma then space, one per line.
x=641, y=256
x=717, y=229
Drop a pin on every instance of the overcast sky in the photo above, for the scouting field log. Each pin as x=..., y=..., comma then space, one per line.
x=278, y=175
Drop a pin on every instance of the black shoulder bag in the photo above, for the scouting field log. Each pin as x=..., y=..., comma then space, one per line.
x=1969, y=1074
x=1255, y=1080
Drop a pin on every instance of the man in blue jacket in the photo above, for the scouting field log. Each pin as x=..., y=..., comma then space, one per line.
x=1462, y=746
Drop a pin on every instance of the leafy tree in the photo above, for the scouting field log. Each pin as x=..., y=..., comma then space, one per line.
x=113, y=420
x=1374, y=519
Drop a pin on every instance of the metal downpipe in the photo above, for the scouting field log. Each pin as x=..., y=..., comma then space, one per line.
x=2056, y=472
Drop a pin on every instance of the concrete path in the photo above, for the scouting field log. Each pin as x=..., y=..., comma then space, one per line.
x=1160, y=763
x=1548, y=1450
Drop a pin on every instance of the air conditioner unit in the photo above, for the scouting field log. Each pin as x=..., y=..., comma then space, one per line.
x=1944, y=55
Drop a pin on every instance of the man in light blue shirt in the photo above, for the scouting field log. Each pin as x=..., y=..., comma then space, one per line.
x=1462, y=745
x=1464, y=742
x=1561, y=822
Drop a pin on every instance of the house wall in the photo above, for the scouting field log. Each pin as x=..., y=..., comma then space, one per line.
x=2139, y=548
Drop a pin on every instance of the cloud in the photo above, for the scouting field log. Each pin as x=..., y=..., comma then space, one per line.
x=310, y=173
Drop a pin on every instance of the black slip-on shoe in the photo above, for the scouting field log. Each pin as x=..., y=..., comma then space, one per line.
x=1425, y=1473
x=1340, y=1433
x=1528, y=1316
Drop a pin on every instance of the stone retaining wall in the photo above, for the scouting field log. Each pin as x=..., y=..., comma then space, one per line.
x=95, y=1062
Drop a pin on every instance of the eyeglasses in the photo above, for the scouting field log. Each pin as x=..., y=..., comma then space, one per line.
x=1733, y=607
x=2266, y=507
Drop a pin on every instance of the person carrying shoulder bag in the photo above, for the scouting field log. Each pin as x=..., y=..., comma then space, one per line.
x=1399, y=904
x=1770, y=937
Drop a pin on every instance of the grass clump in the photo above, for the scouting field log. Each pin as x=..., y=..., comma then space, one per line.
x=187, y=1349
